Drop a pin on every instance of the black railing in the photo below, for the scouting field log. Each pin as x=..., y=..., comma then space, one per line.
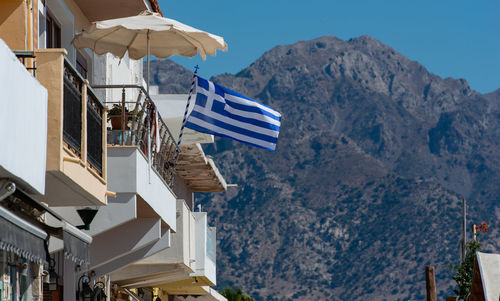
x=134, y=123
x=25, y=56
x=94, y=130
x=72, y=106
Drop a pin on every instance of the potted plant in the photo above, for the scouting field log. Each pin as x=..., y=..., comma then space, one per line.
x=115, y=116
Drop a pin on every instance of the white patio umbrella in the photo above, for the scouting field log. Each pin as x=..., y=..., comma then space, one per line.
x=145, y=35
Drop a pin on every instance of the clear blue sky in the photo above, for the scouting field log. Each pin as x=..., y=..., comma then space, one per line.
x=456, y=38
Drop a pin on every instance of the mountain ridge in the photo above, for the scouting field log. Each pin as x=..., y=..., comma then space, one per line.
x=373, y=158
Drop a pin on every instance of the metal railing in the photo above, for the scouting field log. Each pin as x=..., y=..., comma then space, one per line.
x=72, y=120
x=94, y=130
x=25, y=56
x=134, y=123
x=74, y=85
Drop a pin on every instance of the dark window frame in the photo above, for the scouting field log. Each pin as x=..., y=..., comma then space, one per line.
x=53, y=31
x=81, y=64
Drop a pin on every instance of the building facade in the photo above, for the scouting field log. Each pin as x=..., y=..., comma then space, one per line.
x=96, y=194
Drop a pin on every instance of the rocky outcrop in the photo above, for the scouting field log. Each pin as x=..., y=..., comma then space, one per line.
x=364, y=188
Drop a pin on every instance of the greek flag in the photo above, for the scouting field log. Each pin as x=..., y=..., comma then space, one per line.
x=222, y=112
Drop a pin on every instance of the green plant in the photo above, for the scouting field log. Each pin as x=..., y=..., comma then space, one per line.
x=465, y=270
x=115, y=111
x=236, y=295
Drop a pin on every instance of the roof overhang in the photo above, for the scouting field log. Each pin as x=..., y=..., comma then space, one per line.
x=199, y=171
x=486, y=277
x=98, y=10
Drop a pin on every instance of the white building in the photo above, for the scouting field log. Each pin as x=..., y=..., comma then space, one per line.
x=101, y=208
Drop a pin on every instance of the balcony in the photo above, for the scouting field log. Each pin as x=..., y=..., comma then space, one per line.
x=206, y=246
x=23, y=125
x=27, y=58
x=138, y=124
x=171, y=264
x=76, y=139
x=204, y=265
x=187, y=267
x=141, y=157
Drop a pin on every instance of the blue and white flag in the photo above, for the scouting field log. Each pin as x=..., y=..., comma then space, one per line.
x=222, y=112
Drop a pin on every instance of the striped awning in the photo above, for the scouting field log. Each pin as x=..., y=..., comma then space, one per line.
x=76, y=244
x=21, y=238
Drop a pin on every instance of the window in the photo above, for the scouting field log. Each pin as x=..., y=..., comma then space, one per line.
x=81, y=64
x=53, y=33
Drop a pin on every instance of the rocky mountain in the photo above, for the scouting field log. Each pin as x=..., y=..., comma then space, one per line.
x=364, y=189
x=170, y=77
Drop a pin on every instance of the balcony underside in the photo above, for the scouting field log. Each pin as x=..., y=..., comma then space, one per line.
x=62, y=190
x=198, y=171
x=209, y=295
x=189, y=286
x=129, y=243
x=138, y=275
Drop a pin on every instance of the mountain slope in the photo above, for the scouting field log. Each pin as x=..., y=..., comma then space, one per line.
x=363, y=191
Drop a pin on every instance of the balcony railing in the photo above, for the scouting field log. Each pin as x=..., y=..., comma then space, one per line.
x=134, y=123
x=27, y=58
x=72, y=120
x=74, y=85
x=94, y=130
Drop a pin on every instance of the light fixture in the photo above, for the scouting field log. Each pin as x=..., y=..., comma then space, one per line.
x=84, y=291
x=99, y=289
x=87, y=215
x=52, y=277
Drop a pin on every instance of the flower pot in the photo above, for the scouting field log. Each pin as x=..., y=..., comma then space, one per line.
x=116, y=122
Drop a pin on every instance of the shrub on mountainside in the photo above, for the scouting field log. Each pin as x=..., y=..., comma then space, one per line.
x=236, y=295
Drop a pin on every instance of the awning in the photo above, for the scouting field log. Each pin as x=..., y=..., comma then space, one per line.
x=76, y=244
x=22, y=238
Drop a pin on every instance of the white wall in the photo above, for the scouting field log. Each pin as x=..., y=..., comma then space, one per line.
x=204, y=265
x=128, y=173
x=23, y=124
x=122, y=71
x=171, y=108
x=181, y=250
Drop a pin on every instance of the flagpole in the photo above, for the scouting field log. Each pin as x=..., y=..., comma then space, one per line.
x=187, y=106
x=149, y=123
x=184, y=120
x=147, y=75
